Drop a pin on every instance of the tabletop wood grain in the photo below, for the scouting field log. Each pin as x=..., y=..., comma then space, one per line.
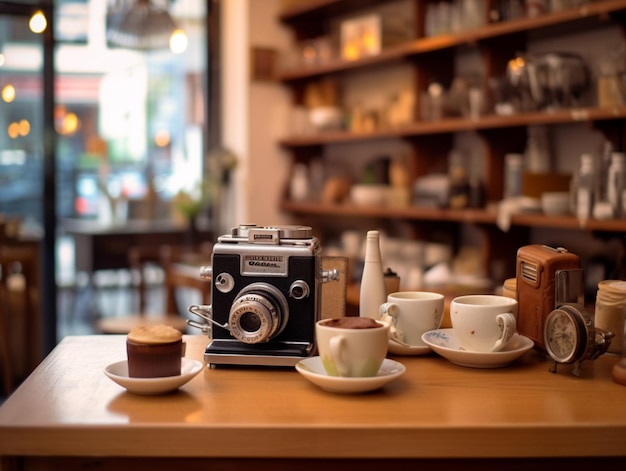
x=68, y=407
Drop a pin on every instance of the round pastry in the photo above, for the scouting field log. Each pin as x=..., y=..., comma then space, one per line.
x=154, y=351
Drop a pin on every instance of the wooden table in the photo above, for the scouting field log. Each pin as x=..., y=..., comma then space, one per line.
x=68, y=414
x=105, y=247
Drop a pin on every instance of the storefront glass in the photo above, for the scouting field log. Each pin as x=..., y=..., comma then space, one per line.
x=130, y=123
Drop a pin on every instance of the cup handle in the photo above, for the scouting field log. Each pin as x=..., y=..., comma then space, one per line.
x=389, y=316
x=337, y=346
x=508, y=325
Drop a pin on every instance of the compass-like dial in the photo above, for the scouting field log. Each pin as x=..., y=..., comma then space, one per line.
x=570, y=336
x=565, y=334
x=561, y=334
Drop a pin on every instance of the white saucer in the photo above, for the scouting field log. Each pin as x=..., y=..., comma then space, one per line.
x=313, y=370
x=118, y=372
x=396, y=348
x=443, y=341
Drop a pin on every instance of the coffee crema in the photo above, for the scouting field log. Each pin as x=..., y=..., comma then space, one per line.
x=352, y=322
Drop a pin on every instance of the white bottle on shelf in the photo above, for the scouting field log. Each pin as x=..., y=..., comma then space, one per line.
x=299, y=186
x=373, y=291
x=582, y=189
x=616, y=183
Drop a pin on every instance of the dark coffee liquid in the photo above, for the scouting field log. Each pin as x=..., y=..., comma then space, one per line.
x=352, y=322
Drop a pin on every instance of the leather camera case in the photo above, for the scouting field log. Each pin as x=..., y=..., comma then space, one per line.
x=535, y=272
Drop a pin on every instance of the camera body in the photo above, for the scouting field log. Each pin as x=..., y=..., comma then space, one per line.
x=265, y=296
x=547, y=278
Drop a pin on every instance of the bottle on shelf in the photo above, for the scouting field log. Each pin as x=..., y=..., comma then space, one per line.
x=537, y=153
x=373, y=290
x=299, y=185
x=616, y=184
x=582, y=189
x=513, y=169
x=458, y=197
x=601, y=207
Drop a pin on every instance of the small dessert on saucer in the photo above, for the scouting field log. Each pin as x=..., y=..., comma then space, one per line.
x=154, y=351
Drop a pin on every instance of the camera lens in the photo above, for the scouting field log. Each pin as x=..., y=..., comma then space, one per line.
x=250, y=322
x=258, y=313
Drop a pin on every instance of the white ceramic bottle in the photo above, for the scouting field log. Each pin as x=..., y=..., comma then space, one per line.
x=582, y=189
x=373, y=291
x=616, y=181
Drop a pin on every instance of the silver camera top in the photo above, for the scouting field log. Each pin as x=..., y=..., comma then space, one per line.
x=267, y=235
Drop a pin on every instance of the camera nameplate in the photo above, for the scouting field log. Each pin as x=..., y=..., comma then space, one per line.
x=254, y=264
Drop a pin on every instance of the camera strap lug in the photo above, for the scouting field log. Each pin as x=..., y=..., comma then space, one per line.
x=205, y=313
x=204, y=327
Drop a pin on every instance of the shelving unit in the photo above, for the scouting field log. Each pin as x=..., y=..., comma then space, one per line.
x=497, y=43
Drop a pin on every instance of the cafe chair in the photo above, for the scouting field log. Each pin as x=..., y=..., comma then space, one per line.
x=183, y=272
x=5, y=351
x=181, y=268
x=19, y=312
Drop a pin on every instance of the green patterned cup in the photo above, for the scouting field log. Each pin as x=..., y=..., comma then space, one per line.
x=352, y=346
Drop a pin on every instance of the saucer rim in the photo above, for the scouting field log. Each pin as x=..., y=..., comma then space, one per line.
x=152, y=386
x=527, y=345
x=340, y=384
x=479, y=359
x=414, y=350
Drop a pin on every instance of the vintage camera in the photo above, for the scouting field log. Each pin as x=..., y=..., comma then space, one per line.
x=265, y=296
x=547, y=278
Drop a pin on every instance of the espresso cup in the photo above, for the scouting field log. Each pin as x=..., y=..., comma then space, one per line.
x=411, y=314
x=483, y=322
x=352, y=346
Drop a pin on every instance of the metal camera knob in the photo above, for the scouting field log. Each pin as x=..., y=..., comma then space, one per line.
x=206, y=272
x=330, y=275
x=299, y=290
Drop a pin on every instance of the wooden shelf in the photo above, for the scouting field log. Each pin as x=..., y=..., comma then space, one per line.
x=424, y=128
x=322, y=8
x=429, y=141
x=474, y=216
x=586, y=14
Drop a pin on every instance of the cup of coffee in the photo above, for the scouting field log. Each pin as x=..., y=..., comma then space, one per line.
x=483, y=322
x=411, y=313
x=352, y=346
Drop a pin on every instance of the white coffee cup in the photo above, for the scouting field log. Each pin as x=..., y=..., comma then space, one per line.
x=411, y=314
x=483, y=322
x=348, y=349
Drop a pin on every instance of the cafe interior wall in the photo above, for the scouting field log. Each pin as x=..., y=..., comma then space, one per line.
x=255, y=115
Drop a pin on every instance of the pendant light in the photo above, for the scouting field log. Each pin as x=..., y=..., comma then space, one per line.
x=141, y=26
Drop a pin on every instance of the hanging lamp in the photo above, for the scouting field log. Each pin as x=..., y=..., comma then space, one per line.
x=141, y=26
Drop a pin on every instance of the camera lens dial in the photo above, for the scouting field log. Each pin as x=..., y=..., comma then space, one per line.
x=258, y=313
x=224, y=282
x=299, y=289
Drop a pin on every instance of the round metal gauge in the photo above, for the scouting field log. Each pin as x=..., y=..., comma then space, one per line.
x=565, y=334
x=570, y=336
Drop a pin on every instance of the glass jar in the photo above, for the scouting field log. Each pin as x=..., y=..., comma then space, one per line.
x=609, y=312
x=509, y=288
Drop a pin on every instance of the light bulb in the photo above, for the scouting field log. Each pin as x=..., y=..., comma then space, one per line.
x=178, y=41
x=38, y=22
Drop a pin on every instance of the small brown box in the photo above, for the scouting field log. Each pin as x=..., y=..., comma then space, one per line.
x=536, y=286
